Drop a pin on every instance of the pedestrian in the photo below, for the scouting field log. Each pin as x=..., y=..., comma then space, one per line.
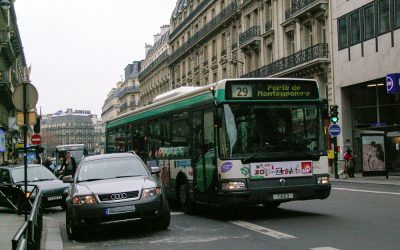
x=69, y=165
x=48, y=164
x=349, y=163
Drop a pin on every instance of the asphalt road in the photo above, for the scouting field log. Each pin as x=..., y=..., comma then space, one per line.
x=355, y=216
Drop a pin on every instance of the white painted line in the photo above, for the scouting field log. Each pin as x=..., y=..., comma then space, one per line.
x=365, y=191
x=262, y=230
x=324, y=248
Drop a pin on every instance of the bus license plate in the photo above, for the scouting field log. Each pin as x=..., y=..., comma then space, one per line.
x=284, y=196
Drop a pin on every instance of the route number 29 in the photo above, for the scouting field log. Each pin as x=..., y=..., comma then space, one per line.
x=242, y=91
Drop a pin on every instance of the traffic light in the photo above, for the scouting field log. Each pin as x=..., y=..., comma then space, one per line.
x=36, y=127
x=334, y=113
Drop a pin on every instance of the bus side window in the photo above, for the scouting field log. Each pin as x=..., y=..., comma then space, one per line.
x=208, y=131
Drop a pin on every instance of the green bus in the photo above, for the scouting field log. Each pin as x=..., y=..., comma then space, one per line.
x=218, y=144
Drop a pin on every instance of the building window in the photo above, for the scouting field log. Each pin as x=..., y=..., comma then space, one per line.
x=289, y=43
x=214, y=49
x=369, y=22
x=342, y=33
x=384, y=21
x=308, y=35
x=270, y=54
x=355, y=27
x=397, y=13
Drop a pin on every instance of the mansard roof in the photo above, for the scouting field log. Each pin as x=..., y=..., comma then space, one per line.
x=180, y=5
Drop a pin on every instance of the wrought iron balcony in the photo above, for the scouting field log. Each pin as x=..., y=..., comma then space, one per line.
x=127, y=90
x=206, y=31
x=301, y=5
x=153, y=65
x=248, y=35
x=123, y=107
x=318, y=51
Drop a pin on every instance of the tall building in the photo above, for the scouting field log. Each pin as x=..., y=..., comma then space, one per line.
x=13, y=71
x=128, y=90
x=111, y=105
x=366, y=48
x=69, y=127
x=154, y=76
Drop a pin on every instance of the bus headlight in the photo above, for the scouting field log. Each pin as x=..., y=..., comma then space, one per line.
x=233, y=185
x=323, y=180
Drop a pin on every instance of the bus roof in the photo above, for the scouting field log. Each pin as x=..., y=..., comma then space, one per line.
x=68, y=146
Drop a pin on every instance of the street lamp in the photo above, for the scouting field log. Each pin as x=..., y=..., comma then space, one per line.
x=5, y=4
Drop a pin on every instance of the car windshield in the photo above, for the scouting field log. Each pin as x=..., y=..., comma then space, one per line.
x=265, y=130
x=111, y=168
x=35, y=173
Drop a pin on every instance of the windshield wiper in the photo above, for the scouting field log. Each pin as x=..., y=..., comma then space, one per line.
x=267, y=145
x=94, y=179
x=125, y=176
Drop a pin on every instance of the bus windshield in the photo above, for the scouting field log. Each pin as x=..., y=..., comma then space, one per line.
x=78, y=151
x=258, y=130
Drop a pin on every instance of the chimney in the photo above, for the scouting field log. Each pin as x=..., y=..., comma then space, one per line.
x=164, y=29
x=156, y=37
x=147, y=47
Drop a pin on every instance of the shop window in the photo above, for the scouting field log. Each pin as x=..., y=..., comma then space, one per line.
x=355, y=27
x=342, y=33
x=369, y=22
x=384, y=21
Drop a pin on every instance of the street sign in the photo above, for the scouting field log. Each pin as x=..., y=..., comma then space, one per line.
x=334, y=130
x=36, y=139
x=31, y=96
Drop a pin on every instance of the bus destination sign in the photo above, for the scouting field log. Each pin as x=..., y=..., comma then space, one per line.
x=272, y=90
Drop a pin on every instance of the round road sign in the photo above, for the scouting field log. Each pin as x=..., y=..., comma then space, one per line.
x=31, y=96
x=36, y=139
x=334, y=130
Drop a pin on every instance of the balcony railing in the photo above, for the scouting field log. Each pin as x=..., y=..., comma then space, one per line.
x=249, y=34
x=189, y=18
x=317, y=51
x=127, y=90
x=297, y=5
x=207, y=30
x=153, y=65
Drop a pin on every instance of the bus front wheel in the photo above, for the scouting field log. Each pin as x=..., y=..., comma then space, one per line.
x=184, y=199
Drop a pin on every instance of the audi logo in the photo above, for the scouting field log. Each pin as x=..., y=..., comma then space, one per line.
x=119, y=196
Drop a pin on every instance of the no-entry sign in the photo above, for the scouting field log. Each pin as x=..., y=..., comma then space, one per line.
x=36, y=139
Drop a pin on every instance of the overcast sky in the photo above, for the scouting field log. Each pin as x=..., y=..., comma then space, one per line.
x=78, y=49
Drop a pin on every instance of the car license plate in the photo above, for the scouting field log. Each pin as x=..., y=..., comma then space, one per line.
x=53, y=198
x=283, y=196
x=119, y=210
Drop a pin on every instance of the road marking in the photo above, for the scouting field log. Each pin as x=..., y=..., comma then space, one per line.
x=365, y=191
x=324, y=248
x=262, y=230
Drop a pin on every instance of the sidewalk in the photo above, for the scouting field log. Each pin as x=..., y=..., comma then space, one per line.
x=10, y=222
x=358, y=178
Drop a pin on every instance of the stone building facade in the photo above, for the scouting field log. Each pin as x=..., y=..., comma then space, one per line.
x=128, y=90
x=154, y=76
x=69, y=127
x=111, y=105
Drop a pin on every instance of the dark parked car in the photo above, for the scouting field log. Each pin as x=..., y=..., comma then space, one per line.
x=54, y=191
x=114, y=188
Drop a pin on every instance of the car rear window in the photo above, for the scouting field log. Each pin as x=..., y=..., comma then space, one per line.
x=111, y=168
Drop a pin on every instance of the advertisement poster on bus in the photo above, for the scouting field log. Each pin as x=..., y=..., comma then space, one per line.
x=373, y=154
x=261, y=170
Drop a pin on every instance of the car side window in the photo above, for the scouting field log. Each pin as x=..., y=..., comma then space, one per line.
x=5, y=176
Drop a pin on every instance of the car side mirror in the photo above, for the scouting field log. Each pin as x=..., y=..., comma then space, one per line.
x=68, y=179
x=155, y=170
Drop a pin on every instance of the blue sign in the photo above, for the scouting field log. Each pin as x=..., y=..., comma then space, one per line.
x=2, y=140
x=334, y=130
x=393, y=83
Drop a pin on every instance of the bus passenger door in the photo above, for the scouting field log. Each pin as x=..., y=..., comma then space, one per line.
x=208, y=147
x=197, y=153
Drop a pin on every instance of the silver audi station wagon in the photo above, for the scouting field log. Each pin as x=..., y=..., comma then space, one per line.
x=114, y=188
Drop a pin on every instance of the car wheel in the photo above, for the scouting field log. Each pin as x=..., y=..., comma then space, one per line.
x=73, y=232
x=185, y=201
x=165, y=218
x=271, y=205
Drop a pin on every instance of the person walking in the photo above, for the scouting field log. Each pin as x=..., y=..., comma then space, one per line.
x=349, y=163
x=69, y=165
